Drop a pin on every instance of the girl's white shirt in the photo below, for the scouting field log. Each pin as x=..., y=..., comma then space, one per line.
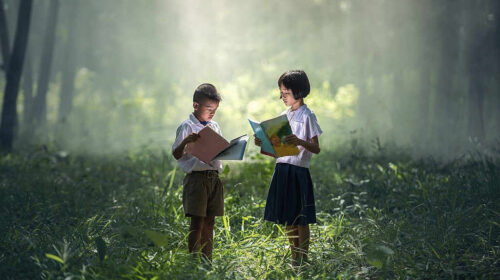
x=188, y=162
x=305, y=126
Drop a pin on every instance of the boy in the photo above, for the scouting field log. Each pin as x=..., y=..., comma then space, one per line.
x=202, y=197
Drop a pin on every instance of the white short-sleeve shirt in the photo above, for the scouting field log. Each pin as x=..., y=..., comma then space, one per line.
x=188, y=162
x=305, y=126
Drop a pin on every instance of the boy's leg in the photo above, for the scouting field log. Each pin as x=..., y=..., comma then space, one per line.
x=304, y=237
x=293, y=238
x=194, y=236
x=207, y=236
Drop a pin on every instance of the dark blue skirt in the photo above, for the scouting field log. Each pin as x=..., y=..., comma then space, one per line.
x=290, y=200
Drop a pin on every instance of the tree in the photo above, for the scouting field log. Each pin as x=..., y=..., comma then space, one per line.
x=4, y=37
x=477, y=50
x=27, y=87
x=444, y=112
x=69, y=70
x=9, y=114
x=426, y=55
x=40, y=100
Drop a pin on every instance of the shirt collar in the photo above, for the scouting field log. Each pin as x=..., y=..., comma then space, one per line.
x=298, y=111
x=196, y=121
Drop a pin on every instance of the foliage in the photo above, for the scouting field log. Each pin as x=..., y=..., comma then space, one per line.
x=400, y=70
x=380, y=216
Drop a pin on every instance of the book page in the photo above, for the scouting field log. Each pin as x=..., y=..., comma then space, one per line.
x=235, y=150
x=276, y=130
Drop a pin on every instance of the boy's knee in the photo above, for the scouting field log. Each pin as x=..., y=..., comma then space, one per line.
x=196, y=223
x=210, y=221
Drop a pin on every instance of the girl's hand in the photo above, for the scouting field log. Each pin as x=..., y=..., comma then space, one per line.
x=257, y=141
x=275, y=140
x=292, y=139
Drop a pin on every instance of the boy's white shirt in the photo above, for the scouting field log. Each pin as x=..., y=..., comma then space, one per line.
x=305, y=126
x=188, y=162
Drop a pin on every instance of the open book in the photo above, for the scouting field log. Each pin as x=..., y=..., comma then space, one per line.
x=211, y=146
x=272, y=133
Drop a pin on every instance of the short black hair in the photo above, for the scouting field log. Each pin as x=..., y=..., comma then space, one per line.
x=297, y=81
x=206, y=91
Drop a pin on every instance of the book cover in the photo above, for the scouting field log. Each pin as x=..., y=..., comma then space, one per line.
x=265, y=147
x=211, y=146
x=272, y=134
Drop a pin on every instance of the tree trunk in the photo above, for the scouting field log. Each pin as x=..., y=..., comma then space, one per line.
x=475, y=122
x=40, y=103
x=4, y=38
x=9, y=113
x=69, y=72
x=27, y=88
x=445, y=117
x=495, y=119
x=398, y=109
x=476, y=70
x=423, y=106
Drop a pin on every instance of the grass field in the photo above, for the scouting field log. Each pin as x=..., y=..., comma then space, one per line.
x=380, y=217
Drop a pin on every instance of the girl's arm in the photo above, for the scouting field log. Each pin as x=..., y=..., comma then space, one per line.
x=312, y=146
x=257, y=141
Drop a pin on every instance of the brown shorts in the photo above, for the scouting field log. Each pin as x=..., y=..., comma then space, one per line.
x=203, y=194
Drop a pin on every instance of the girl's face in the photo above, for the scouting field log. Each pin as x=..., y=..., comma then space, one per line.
x=287, y=96
x=205, y=110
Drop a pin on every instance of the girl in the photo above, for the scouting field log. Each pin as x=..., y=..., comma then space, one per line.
x=290, y=200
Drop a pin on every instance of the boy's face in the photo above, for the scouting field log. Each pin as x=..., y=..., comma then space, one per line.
x=287, y=96
x=205, y=110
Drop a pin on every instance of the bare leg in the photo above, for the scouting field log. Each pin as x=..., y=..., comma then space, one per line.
x=194, y=236
x=207, y=237
x=304, y=239
x=293, y=238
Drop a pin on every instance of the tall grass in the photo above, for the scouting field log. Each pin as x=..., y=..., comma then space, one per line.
x=381, y=216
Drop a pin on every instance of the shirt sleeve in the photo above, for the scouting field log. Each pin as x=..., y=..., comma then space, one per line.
x=182, y=132
x=312, y=126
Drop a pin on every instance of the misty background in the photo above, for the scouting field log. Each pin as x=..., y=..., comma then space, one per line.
x=117, y=75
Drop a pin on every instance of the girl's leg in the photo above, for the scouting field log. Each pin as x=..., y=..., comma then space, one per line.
x=293, y=238
x=207, y=237
x=194, y=235
x=304, y=238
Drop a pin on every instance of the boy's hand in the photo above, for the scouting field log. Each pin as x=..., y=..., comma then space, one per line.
x=292, y=139
x=191, y=138
x=179, y=151
x=257, y=141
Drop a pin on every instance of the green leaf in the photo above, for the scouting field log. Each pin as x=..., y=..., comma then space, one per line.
x=386, y=250
x=129, y=231
x=101, y=247
x=158, y=238
x=54, y=257
x=377, y=255
x=226, y=170
x=393, y=167
x=374, y=261
x=172, y=176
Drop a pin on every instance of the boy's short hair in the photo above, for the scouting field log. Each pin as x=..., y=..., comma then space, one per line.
x=204, y=92
x=297, y=81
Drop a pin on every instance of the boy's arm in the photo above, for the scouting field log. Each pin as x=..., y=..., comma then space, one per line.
x=179, y=150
